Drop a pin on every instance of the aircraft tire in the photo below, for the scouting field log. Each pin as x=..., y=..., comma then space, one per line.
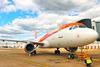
x=57, y=52
x=71, y=55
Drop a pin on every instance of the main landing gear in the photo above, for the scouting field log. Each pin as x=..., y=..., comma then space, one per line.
x=57, y=52
x=32, y=53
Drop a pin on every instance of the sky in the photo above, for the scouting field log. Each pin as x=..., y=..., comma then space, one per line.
x=22, y=19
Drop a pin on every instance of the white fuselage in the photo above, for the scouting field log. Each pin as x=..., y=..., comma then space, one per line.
x=71, y=38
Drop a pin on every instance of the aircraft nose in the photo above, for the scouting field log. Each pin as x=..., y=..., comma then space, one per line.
x=91, y=35
x=86, y=36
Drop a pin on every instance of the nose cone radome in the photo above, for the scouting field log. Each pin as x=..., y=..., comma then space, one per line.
x=91, y=35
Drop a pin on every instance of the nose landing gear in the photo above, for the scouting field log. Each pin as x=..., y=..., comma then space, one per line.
x=71, y=56
x=57, y=52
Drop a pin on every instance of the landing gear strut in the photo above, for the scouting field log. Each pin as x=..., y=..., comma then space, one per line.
x=71, y=54
x=32, y=53
x=57, y=52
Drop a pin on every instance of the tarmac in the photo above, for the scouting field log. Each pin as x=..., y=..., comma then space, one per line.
x=44, y=58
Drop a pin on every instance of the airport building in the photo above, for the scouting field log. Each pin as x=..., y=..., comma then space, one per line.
x=7, y=44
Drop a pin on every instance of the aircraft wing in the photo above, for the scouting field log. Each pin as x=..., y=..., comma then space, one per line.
x=12, y=40
x=24, y=41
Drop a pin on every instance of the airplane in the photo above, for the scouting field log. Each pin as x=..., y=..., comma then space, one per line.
x=69, y=36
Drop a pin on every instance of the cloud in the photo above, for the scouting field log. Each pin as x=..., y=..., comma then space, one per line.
x=5, y=6
x=9, y=8
x=3, y=3
x=91, y=13
x=9, y=29
x=97, y=19
x=49, y=6
x=26, y=5
x=64, y=6
x=29, y=24
x=43, y=23
x=14, y=5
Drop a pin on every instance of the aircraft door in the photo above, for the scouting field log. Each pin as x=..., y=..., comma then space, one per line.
x=60, y=35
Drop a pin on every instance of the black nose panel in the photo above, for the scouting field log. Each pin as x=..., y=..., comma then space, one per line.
x=87, y=22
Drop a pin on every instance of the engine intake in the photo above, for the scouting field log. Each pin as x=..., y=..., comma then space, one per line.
x=29, y=47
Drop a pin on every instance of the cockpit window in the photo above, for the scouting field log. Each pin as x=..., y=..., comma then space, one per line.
x=79, y=25
x=75, y=27
x=82, y=26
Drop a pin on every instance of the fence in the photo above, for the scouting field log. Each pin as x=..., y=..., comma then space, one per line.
x=95, y=45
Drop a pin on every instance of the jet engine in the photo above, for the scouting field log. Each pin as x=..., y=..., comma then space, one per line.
x=30, y=48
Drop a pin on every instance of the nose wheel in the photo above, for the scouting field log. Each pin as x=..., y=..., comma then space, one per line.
x=71, y=55
x=57, y=52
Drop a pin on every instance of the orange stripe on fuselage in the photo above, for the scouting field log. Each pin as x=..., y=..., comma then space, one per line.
x=56, y=30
